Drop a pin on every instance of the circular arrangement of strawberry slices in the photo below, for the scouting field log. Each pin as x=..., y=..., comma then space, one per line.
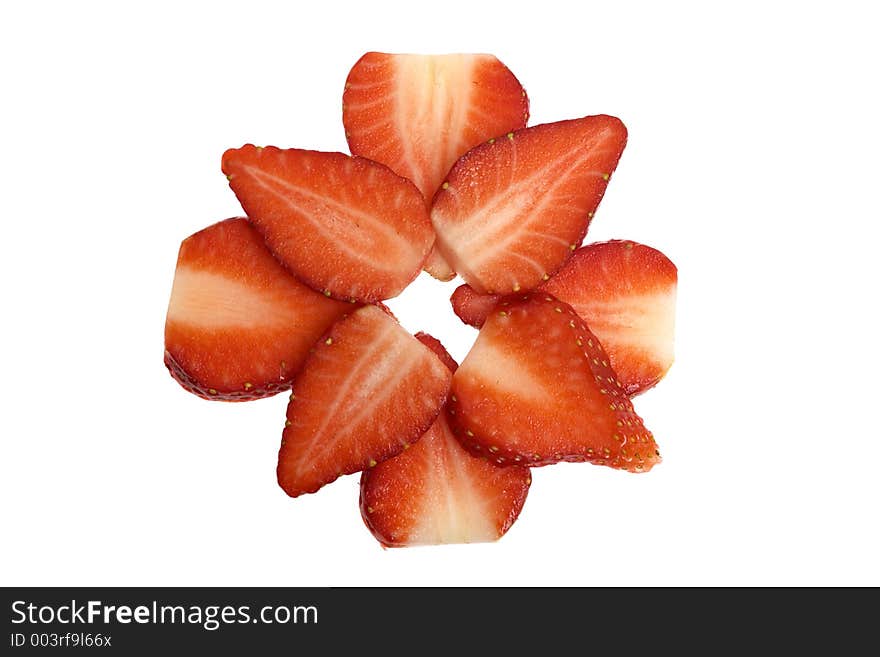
x=444, y=176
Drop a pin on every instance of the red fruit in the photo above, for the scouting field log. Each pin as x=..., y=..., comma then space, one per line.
x=513, y=209
x=419, y=113
x=625, y=292
x=472, y=307
x=347, y=227
x=537, y=388
x=437, y=266
x=239, y=325
x=437, y=347
x=435, y=492
x=368, y=390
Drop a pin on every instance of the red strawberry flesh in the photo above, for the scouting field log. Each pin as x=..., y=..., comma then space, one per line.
x=348, y=227
x=437, y=347
x=537, y=388
x=239, y=326
x=368, y=390
x=472, y=307
x=419, y=113
x=511, y=211
x=435, y=492
x=624, y=291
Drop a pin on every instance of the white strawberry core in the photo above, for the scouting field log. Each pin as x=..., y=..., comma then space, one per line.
x=437, y=90
x=510, y=221
x=207, y=299
x=643, y=323
x=510, y=374
x=453, y=511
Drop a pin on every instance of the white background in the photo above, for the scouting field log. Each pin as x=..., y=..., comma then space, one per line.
x=752, y=163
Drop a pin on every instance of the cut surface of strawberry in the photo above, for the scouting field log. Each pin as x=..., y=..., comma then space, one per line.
x=367, y=391
x=437, y=267
x=537, y=388
x=624, y=291
x=511, y=211
x=435, y=492
x=239, y=325
x=419, y=113
x=348, y=227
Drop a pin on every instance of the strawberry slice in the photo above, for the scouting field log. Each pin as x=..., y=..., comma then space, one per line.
x=239, y=325
x=537, y=388
x=419, y=113
x=436, y=492
x=368, y=390
x=624, y=291
x=512, y=210
x=347, y=227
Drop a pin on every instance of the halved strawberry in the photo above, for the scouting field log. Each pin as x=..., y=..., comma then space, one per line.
x=435, y=492
x=419, y=113
x=239, y=325
x=624, y=291
x=347, y=227
x=537, y=388
x=512, y=210
x=368, y=390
